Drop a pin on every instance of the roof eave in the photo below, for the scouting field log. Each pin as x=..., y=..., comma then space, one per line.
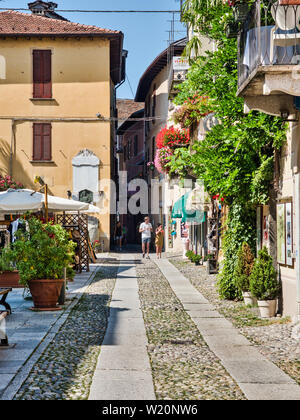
x=154, y=69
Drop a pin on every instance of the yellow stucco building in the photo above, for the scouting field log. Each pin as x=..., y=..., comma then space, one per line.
x=57, y=103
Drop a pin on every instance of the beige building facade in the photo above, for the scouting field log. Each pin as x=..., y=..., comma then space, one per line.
x=57, y=100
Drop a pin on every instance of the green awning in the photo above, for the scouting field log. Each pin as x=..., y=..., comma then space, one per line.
x=179, y=211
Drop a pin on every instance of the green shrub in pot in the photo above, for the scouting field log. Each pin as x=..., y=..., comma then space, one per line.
x=244, y=267
x=263, y=280
x=190, y=255
x=43, y=252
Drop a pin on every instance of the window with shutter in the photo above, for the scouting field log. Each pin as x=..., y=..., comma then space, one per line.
x=42, y=74
x=42, y=142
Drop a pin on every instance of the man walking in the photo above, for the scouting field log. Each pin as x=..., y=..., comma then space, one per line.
x=146, y=230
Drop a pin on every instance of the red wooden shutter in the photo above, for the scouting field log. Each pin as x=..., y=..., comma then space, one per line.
x=42, y=141
x=46, y=141
x=42, y=80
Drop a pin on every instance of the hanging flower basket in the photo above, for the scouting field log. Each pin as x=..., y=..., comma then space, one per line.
x=162, y=158
x=192, y=111
x=172, y=138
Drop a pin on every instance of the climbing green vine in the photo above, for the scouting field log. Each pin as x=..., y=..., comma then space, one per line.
x=236, y=158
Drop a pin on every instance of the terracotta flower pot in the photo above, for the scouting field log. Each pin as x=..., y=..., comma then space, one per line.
x=45, y=294
x=10, y=279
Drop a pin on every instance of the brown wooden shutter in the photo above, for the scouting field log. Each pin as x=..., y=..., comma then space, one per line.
x=42, y=80
x=42, y=141
x=46, y=141
x=37, y=141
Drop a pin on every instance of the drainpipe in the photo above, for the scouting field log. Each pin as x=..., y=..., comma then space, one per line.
x=297, y=228
x=12, y=143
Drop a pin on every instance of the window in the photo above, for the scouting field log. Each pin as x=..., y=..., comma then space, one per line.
x=42, y=142
x=42, y=80
x=284, y=223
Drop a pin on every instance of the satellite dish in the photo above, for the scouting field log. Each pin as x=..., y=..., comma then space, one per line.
x=286, y=17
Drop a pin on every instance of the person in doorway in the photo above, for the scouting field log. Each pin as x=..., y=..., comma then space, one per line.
x=146, y=230
x=159, y=240
x=118, y=236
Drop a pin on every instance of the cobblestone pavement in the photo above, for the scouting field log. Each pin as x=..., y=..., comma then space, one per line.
x=271, y=337
x=183, y=366
x=65, y=370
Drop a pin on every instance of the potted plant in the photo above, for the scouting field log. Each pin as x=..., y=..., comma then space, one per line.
x=9, y=276
x=242, y=272
x=190, y=255
x=41, y=256
x=211, y=264
x=151, y=166
x=197, y=259
x=264, y=284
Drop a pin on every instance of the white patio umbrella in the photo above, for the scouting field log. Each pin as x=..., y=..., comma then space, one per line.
x=21, y=201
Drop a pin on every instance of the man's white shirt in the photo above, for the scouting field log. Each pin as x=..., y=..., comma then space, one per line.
x=146, y=227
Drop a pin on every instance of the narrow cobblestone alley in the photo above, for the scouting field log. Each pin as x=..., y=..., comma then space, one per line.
x=142, y=331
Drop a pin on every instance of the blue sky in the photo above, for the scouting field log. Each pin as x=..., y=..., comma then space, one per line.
x=145, y=34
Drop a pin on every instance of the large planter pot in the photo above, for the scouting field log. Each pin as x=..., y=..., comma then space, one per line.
x=249, y=299
x=10, y=279
x=267, y=308
x=45, y=294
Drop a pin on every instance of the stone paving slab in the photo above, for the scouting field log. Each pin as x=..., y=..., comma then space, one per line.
x=256, y=376
x=256, y=372
x=29, y=331
x=122, y=385
x=123, y=370
x=231, y=338
x=194, y=313
x=125, y=313
x=117, y=357
x=267, y=392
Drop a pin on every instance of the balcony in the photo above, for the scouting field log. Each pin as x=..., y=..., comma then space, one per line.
x=269, y=57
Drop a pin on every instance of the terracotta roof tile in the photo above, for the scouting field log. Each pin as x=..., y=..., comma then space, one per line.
x=127, y=107
x=17, y=23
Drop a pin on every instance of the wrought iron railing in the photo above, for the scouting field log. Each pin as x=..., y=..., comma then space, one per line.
x=269, y=36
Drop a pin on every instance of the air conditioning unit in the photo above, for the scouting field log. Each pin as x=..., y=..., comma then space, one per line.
x=180, y=76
